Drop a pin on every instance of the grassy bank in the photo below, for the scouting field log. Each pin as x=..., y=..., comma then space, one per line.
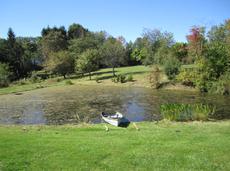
x=140, y=76
x=139, y=73
x=162, y=146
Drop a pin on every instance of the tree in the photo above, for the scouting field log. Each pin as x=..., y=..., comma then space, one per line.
x=171, y=67
x=77, y=46
x=196, y=41
x=4, y=75
x=31, y=58
x=3, y=51
x=113, y=53
x=53, y=40
x=130, y=55
x=76, y=31
x=180, y=51
x=153, y=47
x=142, y=51
x=15, y=53
x=87, y=62
x=60, y=63
x=217, y=60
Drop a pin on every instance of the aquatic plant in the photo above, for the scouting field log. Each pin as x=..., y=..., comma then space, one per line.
x=186, y=112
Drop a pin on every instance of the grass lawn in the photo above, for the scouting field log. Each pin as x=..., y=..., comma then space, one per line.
x=162, y=146
x=140, y=75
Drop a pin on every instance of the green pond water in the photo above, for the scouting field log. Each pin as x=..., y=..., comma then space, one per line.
x=73, y=104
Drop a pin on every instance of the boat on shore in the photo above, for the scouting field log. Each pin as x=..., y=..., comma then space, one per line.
x=116, y=119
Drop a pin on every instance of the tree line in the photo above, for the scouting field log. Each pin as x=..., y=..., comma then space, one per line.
x=78, y=50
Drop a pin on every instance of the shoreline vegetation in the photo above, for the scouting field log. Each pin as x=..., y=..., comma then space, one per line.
x=102, y=77
x=160, y=145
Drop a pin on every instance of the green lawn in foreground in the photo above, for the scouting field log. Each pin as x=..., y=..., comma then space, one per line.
x=162, y=146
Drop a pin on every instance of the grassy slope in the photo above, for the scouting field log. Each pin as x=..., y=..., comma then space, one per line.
x=140, y=74
x=162, y=146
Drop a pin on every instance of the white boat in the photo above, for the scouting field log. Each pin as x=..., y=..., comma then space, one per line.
x=116, y=119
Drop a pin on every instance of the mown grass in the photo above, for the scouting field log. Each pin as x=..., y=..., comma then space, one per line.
x=139, y=73
x=156, y=146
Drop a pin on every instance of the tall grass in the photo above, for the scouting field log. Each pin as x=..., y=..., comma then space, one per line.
x=186, y=112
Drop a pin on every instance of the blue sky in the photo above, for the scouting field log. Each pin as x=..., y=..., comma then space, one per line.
x=118, y=17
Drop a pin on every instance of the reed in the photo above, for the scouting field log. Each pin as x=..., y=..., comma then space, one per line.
x=186, y=112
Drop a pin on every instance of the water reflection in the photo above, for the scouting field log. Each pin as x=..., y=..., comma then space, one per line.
x=74, y=104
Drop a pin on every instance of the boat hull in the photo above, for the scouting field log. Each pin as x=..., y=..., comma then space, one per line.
x=119, y=122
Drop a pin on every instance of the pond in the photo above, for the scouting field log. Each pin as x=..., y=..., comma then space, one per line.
x=73, y=104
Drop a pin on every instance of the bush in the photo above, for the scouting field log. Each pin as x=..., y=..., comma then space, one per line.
x=22, y=82
x=171, y=68
x=222, y=85
x=37, y=76
x=186, y=112
x=119, y=79
x=4, y=75
x=97, y=79
x=69, y=82
x=187, y=77
x=130, y=78
x=155, y=77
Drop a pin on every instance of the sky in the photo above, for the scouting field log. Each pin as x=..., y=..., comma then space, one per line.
x=125, y=18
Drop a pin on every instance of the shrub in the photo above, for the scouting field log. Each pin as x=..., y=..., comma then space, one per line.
x=119, y=79
x=186, y=112
x=186, y=77
x=171, y=68
x=155, y=77
x=97, y=79
x=4, y=75
x=37, y=76
x=69, y=82
x=222, y=85
x=22, y=82
x=129, y=78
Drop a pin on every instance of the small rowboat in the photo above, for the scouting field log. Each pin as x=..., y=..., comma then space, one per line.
x=116, y=119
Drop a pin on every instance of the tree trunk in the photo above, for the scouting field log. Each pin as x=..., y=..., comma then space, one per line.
x=64, y=76
x=113, y=71
x=89, y=75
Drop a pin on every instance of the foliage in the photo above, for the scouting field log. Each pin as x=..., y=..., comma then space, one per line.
x=76, y=31
x=4, y=75
x=87, y=62
x=180, y=51
x=80, y=45
x=129, y=78
x=113, y=53
x=53, y=41
x=97, y=79
x=171, y=67
x=159, y=44
x=35, y=78
x=155, y=77
x=187, y=76
x=119, y=78
x=222, y=85
x=186, y=112
x=15, y=52
x=60, y=63
x=196, y=41
x=69, y=82
x=217, y=60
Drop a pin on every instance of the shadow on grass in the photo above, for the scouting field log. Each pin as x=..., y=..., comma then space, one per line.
x=99, y=73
